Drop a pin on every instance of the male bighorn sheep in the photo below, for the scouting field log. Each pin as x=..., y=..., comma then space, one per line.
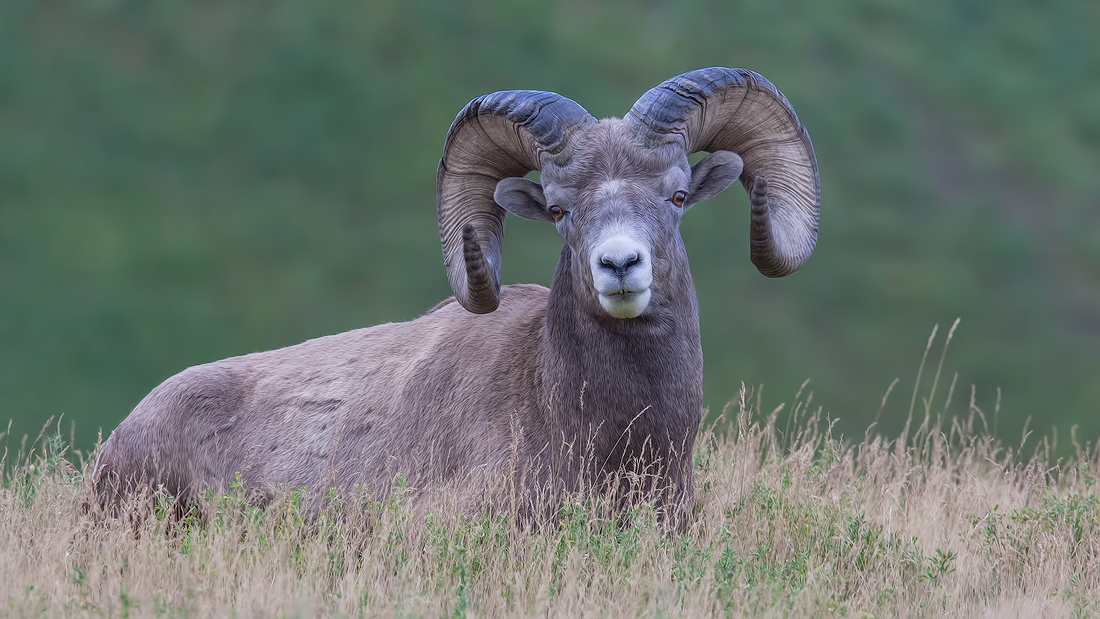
x=559, y=389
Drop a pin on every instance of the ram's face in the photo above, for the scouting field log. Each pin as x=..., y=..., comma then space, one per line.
x=618, y=206
x=621, y=206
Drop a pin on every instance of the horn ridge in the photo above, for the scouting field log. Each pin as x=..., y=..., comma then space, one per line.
x=742, y=111
x=495, y=136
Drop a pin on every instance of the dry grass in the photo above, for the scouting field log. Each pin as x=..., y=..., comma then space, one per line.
x=789, y=521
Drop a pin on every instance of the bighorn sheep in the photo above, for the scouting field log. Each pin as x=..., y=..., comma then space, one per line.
x=561, y=388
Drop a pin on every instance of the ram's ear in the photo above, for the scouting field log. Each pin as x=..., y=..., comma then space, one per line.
x=522, y=197
x=712, y=174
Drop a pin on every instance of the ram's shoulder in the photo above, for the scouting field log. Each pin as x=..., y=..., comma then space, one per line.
x=522, y=295
x=513, y=298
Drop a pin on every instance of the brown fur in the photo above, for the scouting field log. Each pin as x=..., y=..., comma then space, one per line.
x=444, y=400
x=547, y=394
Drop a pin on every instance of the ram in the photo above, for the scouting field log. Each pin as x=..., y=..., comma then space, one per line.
x=592, y=385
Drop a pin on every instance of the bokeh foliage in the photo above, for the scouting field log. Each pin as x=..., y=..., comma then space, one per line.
x=185, y=181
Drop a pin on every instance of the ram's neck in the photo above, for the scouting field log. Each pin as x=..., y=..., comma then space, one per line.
x=625, y=380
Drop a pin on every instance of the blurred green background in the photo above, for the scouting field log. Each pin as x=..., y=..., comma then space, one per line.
x=186, y=181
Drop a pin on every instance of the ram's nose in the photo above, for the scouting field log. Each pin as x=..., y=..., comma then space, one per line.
x=619, y=262
x=622, y=272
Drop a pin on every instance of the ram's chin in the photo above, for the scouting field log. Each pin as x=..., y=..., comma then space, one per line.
x=625, y=304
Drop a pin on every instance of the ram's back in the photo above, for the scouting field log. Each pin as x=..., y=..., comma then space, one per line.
x=436, y=400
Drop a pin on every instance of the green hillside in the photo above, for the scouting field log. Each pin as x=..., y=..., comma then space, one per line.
x=185, y=181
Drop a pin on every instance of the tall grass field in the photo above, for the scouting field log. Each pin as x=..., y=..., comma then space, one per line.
x=790, y=520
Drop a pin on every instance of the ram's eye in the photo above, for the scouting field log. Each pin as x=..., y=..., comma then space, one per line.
x=556, y=212
x=678, y=198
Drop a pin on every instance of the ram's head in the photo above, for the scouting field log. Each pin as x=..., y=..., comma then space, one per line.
x=616, y=188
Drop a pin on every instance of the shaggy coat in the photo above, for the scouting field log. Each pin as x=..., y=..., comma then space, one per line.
x=513, y=396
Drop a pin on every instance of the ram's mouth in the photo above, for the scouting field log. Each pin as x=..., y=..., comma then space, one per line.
x=624, y=303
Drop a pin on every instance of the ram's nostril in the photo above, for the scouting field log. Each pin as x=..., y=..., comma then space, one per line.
x=620, y=264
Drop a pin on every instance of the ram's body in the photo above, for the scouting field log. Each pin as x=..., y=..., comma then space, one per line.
x=451, y=401
x=522, y=390
x=356, y=408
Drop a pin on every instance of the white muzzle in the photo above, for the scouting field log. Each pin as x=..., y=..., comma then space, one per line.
x=622, y=271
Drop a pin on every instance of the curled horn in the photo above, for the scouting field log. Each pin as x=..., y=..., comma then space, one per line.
x=741, y=111
x=496, y=136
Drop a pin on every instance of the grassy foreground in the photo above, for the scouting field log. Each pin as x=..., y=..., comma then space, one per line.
x=790, y=521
